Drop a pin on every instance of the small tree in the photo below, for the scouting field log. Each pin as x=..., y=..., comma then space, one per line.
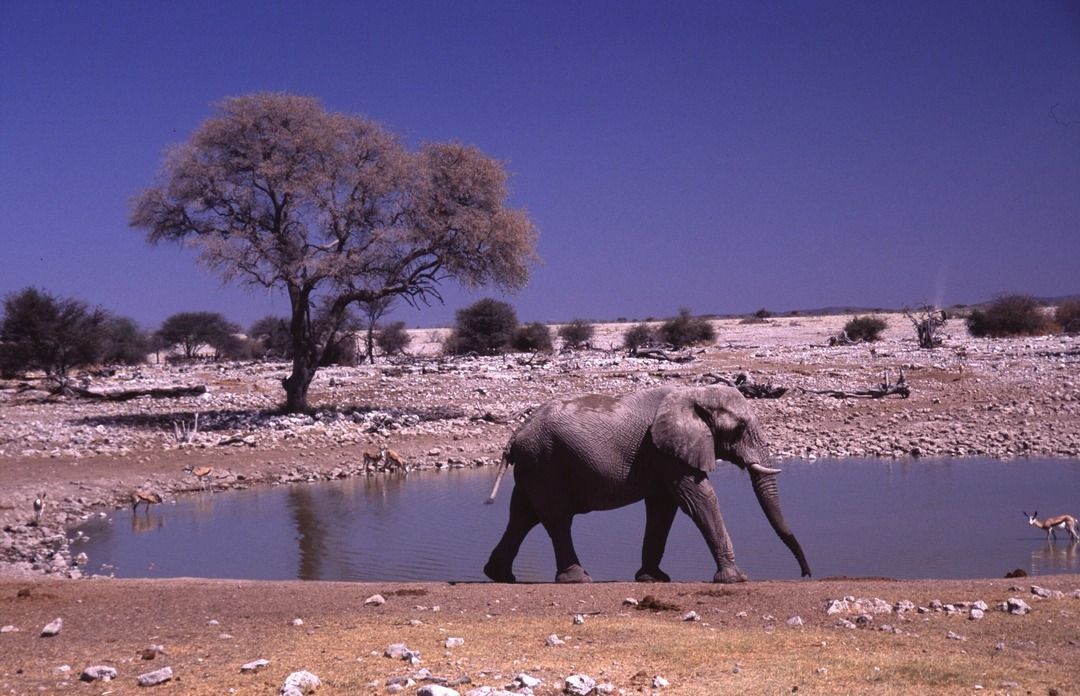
x=534, y=337
x=865, y=328
x=1067, y=316
x=41, y=332
x=1009, y=315
x=373, y=311
x=393, y=338
x=577, y=333
x=273, y=190
x=272, y=335
x=685, y=330
x=485, y=327
x=123, y=342
x=192, y=330
x=637, y=336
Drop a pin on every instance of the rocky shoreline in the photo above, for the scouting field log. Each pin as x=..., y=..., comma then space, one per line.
x=1006, y=398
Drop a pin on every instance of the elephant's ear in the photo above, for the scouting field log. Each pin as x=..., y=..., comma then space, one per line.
x=680, y=431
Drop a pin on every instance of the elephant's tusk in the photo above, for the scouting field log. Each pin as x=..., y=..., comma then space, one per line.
x=762, y=469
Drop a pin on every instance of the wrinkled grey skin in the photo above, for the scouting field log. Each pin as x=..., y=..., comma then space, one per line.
x=597, y=452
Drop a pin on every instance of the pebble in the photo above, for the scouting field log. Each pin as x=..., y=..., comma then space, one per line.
x=158, y=676
x=98, y=673
x=254, y=666
x=52, y=628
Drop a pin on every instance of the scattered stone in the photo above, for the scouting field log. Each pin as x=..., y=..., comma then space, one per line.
x=399, y=651
x=375, y=600
x=453, y=642
x=524, y=680
x=1016, y=606
x=579, y=685
x=151, y=651
x=98, y=673
x=844, y=623
x=631, y=602
x=300, y=683
x=1047, y=594
x=691, y=616
x=837, y=606
x=903, y=606
x=660, y=683
x=436, y=690
x=976, y=614
x=9, y=629
x=254, y=666
x=864, y=620
x=554, y=640
x=52, y=628
x=795, y=621
x=579, y=619
x=952, y=635
x=158, y=676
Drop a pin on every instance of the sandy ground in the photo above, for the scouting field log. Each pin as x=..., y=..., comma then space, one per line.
x=1001, y=399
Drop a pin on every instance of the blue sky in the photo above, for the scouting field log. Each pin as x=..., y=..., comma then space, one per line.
x=725, y=157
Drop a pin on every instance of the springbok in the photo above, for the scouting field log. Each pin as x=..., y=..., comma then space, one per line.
x=144, y=497
x=203, y=474
x=39, y=509
x=1066, y=522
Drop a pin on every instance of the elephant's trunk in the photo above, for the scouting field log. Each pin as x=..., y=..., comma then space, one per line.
x=767, y=495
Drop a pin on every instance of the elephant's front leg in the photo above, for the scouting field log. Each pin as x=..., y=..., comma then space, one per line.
x=698, y=500
x=659, y=514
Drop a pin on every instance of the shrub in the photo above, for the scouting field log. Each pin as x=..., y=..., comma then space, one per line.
x=191, y=330
x=272, y=334
x=1067, y=315
x=533, y=338
x=685, y=330
x=41, y=332
x=1009, y=315
x=123, y=343
x=485, y=327
x=393, y=339
x=865, y=328
x=577, y=333
x=637, y=336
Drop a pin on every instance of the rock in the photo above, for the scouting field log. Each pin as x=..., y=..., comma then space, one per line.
x=254, y=666
x=297, y=622
x=98, y=673
x=864, y=620
x=436, y=690
x=375, y=600
x=837, y=606
x=525, y=680
x=1016, y=606
x=660, y=683
x=158, y=676
x=52, y=628
x=691, y=616
x=554, y=640
x=976, y=614
x=300, y=683
x=151, y=651
x=795, y=621
x=952, y=635
x=579, y=619
x=631, y=602
x=9, y=629
x=399, y=651
x=904, y=605
x=454, y=642
x=1040, y=591
x=579, y=685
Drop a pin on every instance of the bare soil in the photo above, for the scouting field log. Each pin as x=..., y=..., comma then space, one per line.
x=1013, y=398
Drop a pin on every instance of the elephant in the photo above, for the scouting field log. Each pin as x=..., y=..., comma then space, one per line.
x=597, y=452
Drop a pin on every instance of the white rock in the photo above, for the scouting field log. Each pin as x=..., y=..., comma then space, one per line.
x=579, y=619
x=837, y=606
x=98, y=672
x=52, y=628
x=1015, y=605
x=158, y=676
x=526, y=680
x=436, y=690
x=579, y=685
x=300, y=683
x=976, y=614
x=375, y=600
x=795, y=621
x=554, y=640
x=691, y=616
x=660, y=683
x=254, y=666
x=8, y=629
x=297, y=622
x=453, y=642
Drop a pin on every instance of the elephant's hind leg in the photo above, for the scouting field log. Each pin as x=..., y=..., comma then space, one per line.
x=659, y=514
x=566, y=559
x=500, y=565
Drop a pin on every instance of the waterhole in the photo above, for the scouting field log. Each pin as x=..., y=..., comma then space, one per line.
x=855, y=518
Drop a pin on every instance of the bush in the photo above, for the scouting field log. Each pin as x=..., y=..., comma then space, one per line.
x=533, y=338
x=637, y=336
x=393, y=339
x=123, y=343
x=685, y=330
x=577, y=333
x=485, y=327
x=273, y=337
x=191, y=330
x=1067, y=316
x=1009, y=315
x=41, y=332
x=865, y=328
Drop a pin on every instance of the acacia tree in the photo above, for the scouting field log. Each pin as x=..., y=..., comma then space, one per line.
x=275, y=191
x=191, y=330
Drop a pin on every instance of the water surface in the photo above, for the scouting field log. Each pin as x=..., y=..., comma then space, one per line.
x=902, y=519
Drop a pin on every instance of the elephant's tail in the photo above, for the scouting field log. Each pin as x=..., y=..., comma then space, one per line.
x=503, y=466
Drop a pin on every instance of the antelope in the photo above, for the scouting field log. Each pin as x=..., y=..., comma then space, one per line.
x=202, y=473
x=1066, y=522
x=395, y=460
x=144, y=497
x=39, y=509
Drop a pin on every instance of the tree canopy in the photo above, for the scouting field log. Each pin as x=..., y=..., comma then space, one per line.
x=191, y=330
x=275, y=191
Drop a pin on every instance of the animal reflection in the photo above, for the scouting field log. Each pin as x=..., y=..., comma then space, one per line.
x=1056, y=557
x=146, y=523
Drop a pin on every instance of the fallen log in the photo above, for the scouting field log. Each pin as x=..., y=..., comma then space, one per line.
x=746, y=387
x=884, y=389
x=663, y=355
x=152, y=392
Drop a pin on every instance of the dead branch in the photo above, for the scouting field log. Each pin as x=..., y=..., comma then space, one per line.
x=653, y=353
x=746, y=386
x=152, y=392
x=884, y=389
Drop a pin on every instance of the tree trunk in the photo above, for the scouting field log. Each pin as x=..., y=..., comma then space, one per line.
x=296, y=387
